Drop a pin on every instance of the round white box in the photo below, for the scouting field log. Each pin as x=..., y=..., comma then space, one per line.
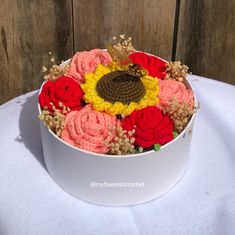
x=113, y=180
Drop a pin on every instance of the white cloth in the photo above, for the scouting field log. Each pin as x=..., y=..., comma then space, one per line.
x=203, y=202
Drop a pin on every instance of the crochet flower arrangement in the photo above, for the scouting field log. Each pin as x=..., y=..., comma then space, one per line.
x=116, y=101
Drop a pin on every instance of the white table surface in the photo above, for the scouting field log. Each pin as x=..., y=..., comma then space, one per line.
x=203, y=202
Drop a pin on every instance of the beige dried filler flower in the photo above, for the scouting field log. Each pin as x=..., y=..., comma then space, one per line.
x=120, y=50
x=123, y=45
x=123, y=142
x=180, y=114
x=54, y=120
x=55, y=71
x=176, y=70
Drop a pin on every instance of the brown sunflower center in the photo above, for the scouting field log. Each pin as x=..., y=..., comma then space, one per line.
x=121, y=86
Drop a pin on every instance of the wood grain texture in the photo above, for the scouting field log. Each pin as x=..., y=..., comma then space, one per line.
x=206, y=38
x=29, y=30
x=149, y=22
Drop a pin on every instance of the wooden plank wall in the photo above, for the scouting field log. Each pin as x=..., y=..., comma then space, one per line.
x=29, y=30
x=200, y=33
x=206, y=38
x=149, y=22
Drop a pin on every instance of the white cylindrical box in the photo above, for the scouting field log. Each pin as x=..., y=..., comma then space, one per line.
x=114, y=180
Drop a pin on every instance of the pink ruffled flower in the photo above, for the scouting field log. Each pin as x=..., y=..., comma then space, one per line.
x=86, y=62
x=171, y=89
x=89, y=129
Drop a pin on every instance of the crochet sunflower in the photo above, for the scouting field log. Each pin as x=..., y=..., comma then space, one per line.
x=119, y=92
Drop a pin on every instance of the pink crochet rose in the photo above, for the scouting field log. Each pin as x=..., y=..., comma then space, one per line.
x=171, y=89
x=86, y=62
x=89, y=129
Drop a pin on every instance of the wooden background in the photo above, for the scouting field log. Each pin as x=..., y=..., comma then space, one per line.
x=201, y=33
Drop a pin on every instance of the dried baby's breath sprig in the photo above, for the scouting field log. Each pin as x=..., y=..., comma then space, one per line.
x=123, y=141
x=54, y=120
x=179, y=113
x=176, y=70
x=55, y=71
x=120, y=50
x=123, y=45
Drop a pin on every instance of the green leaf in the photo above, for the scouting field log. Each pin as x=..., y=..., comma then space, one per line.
x=175, y=134
x=157, y=147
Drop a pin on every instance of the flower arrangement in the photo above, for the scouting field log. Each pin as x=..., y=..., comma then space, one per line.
x=116, y=101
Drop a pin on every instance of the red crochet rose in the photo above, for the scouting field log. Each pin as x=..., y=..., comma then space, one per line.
x=65, y=90
x=155, y=66
x=151, y=126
